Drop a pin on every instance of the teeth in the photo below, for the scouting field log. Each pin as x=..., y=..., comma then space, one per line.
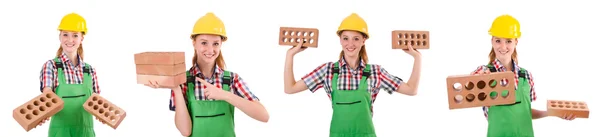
x=208, y=55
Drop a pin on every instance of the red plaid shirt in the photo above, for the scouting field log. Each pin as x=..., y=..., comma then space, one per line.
x=349, y=79
x=500, y=68
x=73, y=74
x=238, y=86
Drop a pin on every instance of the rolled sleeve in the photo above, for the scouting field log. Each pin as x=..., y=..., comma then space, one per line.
x=172, y=98
x=389, y=82
x=315, y=79
x=242, y=90
x=95, y=86
x=48, y=76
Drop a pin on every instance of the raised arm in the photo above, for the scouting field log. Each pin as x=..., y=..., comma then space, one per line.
x=411, y=87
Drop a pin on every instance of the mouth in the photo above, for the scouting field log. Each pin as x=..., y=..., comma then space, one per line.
x=350, y=49
x=70, y=45
x=209, y=55
x=503, y=52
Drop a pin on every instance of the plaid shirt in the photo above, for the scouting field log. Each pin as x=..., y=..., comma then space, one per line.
x=500, y=68
x=349, y=79
x=238, y=86
x=73, y=74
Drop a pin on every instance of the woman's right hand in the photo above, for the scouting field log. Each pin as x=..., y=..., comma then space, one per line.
x=43, y=121
x=296, y=49
x=152, y=84
x=482, y=71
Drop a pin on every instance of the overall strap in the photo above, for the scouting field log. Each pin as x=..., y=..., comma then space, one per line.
x=493, y=69
x=363, y=80
x=191, y=83
x=226, y=84
x=61, y=76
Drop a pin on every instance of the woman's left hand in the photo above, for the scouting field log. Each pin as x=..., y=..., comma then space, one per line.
x=213, y=92
x=568, y=117
x=100, y=120
x=413, y=52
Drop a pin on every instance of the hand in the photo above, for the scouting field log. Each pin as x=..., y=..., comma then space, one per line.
x=296, y=49
x=482, y=71
x=155, y=85
x=43, y=121
x=212, y=92
x=413, y=52
x=100, y=120
x=568, y=117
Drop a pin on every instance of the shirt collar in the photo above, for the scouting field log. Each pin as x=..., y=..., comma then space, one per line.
x=344, y=63
x=498, y=65
x=64, y=58
x=196, y=71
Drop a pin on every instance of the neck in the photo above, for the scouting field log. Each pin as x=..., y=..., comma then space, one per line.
x=507, y=63
x=73, y=57
x=207, y=69
x=352, y=62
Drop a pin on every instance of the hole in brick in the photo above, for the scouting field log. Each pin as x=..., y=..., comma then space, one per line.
x=106, y=114
x=412, y=36
x=418, y=43
x=481, y=96
x=43, y=99
x=580, y=103
x=292, y=33
x=95, y=98
x=284, y=32
x=42, y=108
x=101, y=110
x=23, y=111
x=284, y=39
x=582, y=107
x=54, y=100
x=458, y=98
x=504, y=93
x=504, y=82
x=113, y=118
x=568, y=106
x=35, y=112
x=29, y=107
x=399, y=36
x=311, y=33
x=406, y=35
x=567, y=103
x=100, y=102
x=291, y=40
x=105, y=105
x=470, y=86
x=552, y=102
x=481, y=84
x=305, y=34
x=561, y=106
x=297, y=40
x=575, y=107
x=111, y=109
x=399, y=42
x=418, y=36
x=470, y=97
x=36, y=103
x=406, y=42
x=48, y=104
x=90, y=103
x=559, y=102
x=48, y=95
x=95, y=107
x=311, y=41
x=493, y=95
x=553, y=106
x=28, y=116
x=301, y=33
x=457, y=87
x=492, y=83
x=117, y=112
x=424, y=36
x=424, y=43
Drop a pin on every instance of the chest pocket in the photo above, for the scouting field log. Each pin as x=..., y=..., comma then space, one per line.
x=521, y=90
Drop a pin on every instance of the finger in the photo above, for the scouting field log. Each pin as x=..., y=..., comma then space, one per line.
x=202, y=81
x=410, y=48
x=299, y=45
x=486, y=72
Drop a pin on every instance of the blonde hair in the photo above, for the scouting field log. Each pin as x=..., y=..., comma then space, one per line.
x=493, y=56
x=219, y=61
x=79, y=51
x=363, y=51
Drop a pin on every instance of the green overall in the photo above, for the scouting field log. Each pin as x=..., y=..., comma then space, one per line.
x=351, y=108
x=210, y=118
x=72, y=120
x=512, y=120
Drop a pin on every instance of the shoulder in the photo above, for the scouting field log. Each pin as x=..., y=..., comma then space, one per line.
x=375, y=66
x=49, y=63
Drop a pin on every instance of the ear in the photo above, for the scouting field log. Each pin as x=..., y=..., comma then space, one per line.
x=516, y=42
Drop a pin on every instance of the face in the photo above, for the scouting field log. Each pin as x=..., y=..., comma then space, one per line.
x=207, y=47
x=504, y=47
x=70, y=41
x=352, y=42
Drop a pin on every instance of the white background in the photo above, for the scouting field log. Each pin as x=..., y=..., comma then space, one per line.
x=556, y=46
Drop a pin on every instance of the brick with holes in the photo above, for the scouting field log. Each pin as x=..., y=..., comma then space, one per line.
x=167, y=68
x=559, y=108
x=402, y=38
x=291, y=36
x=104, y=110
x=467, y=91
x=30, y=114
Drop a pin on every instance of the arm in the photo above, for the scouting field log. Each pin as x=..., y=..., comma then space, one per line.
x=412, y=86
x=535, y=114
x=47, y=77
x=243, y=99
x=95, y=86
x=291, y=86
x=183, y=121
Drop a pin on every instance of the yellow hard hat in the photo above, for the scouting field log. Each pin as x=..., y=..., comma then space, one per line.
x=505, y=26
x=73, y=22
x=355, y=23
x=210, y=24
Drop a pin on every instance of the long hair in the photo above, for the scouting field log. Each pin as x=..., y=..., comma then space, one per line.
x=362, y=53
x=79, y=51
x=219, y=61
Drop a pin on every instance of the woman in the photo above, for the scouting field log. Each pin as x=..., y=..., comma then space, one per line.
x=351, y=83
x=514, y=119
x=71, y=79
x=202, y=108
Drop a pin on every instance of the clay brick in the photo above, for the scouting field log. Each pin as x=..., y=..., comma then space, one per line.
x=160, y=70
x=30, y=114
x=291, y=36
x=159, y=58
x=163, y=81
x=561, y=107
x=104, y=110
x=466, y=91
x=402, y=38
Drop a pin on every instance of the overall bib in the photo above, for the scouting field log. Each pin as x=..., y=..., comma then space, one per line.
x=72, y=120
x=210, y=118
x=512, y=120
x=351, y=108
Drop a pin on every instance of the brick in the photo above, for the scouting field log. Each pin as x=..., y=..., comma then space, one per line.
x=104, y=110
x=559, y=108
x=30, y=114
x=402, y=38
x=159, y=58
x=163, y=81
x=291, y=36
x=160, y=70
x=467, y=91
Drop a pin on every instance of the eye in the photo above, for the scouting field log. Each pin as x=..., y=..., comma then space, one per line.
x=345, y=38
x=203, y=43
x=215, y=44
x=76, y=35
x=497, y=41
x=356, y=39
x=509, y=41
x=65, y=35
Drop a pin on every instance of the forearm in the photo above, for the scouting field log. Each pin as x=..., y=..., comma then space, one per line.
x=415, y=77
x=254, y=109
x=182, y=116
x=537, y=114
x=288, y=77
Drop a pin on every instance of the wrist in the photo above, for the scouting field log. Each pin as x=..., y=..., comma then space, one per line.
x=228, y=96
